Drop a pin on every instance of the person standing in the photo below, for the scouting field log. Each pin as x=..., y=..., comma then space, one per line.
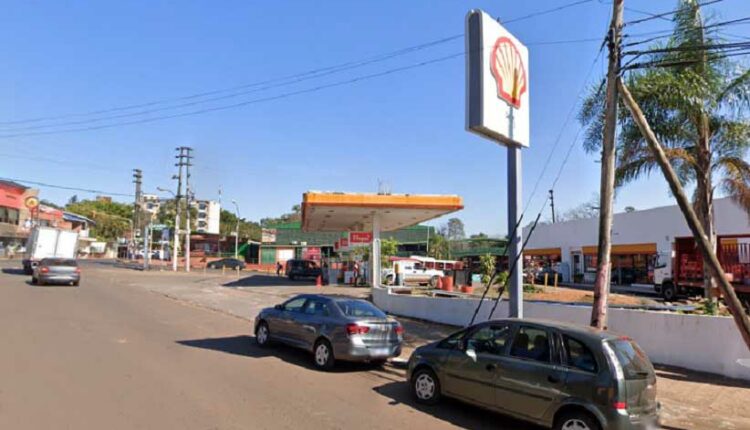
x=278, y=268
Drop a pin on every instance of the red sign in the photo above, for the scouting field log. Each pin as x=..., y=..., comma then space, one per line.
x=360, y=237
x=311, y=254
x=344, y=242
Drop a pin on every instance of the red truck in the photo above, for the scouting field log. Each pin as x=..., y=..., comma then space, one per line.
x=680, y=272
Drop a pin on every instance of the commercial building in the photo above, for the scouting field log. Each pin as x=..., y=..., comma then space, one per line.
x=15, y=218
x=571, y=246
x=150, y=204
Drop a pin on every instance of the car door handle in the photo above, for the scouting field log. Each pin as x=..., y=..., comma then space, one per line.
x=553, y=379
x=309, y=328
x=491, y=367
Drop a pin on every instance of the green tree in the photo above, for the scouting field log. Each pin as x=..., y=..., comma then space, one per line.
x=439, y=247
x=388, y=248
x=167, y=210
x=112, y=219
x=696, y=102
x=248, y=229
x=454, y=229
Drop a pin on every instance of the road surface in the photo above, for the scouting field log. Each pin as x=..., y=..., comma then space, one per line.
x=113, y=355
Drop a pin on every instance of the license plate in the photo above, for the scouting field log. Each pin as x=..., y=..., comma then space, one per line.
x=380, y=351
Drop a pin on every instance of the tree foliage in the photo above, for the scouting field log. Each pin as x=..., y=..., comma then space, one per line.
x=585, y=210
x=453, y=229
x=439, y=247
x=247, y=229
x=112, y=219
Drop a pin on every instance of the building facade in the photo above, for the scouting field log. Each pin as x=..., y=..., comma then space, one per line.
x=637, y=237
x=209, y=216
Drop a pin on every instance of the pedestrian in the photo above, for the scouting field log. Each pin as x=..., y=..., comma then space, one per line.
x=278, y=268
x=356, y=273
x=325, y=273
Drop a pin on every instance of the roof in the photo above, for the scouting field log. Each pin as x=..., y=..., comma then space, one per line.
x=336, y=211
x=70, y=216
x=7, y=183
x=576, y=329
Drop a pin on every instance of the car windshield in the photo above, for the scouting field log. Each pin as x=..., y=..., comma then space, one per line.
x=634, y=362
x=359, y=308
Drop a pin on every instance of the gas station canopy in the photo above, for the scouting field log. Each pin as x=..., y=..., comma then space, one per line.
x=332, y=211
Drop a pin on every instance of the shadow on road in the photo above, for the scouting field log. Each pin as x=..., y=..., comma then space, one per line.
x=245, y=346
x=13, y=271
x=680, y=374
x=268, y=281
x=452, y=411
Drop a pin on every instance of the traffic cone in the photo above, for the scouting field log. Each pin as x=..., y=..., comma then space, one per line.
x=319, y=281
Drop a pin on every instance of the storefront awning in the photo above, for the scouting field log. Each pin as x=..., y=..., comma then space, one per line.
x=632, y=248
x=547, y=252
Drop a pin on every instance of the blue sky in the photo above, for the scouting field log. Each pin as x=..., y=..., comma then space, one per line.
x=405, y=129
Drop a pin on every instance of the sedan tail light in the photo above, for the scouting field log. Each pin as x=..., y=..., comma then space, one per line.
x=78, y=270
x=352, y=329
x=399, y=329
x=44, y=270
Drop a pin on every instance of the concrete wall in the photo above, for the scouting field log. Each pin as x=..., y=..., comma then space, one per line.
x=708, y=344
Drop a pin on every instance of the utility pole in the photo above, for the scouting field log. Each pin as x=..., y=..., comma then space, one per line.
x=607, y=186
x=186, y=157
x=138, y=181
x=236, y=230
x=177, y=198
x=552, y=204
x=701, y=238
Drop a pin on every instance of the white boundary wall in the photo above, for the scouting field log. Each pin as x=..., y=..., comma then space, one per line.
x=708, y=344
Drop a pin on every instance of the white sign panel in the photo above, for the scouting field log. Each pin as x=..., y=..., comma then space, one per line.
x=497, y=82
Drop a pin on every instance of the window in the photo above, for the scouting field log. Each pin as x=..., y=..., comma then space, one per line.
x=634, y=362
x=359, y=308
x=452, y=341
x=9, y=215
x=489, y=339
x=531, y=344
x=316, y=307
x=579, y=355
x=295, y=305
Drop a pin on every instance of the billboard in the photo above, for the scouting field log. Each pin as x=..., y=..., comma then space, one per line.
x=497, y=82
x=360, y=237
x=268, y=235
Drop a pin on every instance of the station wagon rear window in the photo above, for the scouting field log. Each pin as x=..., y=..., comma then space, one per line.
x=632, y=359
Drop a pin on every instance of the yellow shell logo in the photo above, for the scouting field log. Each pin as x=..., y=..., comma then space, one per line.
x=509, y=71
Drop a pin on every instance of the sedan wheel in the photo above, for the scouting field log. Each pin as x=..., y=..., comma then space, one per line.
x=323, y=355
x=426, y=387
x=261, y=334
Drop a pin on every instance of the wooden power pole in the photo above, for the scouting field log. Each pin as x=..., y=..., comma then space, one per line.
x=704, y=244
x=607, y=186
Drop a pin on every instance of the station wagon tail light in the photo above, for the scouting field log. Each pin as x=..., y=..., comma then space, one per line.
x=399, y=329
x=620, y=406
x=44, y=270
x=352, y=329
x=78, y=270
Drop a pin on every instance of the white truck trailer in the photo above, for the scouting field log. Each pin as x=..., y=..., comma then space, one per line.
x=48, y=242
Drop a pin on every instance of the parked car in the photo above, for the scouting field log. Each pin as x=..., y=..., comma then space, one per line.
x=56, y=271
x=550, y=272
x=553, y=374
x=332, y=328
x=302, y=269
x=413, y=272
x=229, y=263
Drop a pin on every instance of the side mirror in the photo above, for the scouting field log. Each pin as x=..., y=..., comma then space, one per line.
x=279, y=308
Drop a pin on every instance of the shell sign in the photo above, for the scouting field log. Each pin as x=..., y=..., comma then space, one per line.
x=497, y=82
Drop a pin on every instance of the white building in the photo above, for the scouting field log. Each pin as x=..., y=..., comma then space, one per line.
x=209, y=212
x=150, y=203
x=636, y=238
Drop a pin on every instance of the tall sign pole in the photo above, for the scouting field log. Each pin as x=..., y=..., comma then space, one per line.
x=497, y=108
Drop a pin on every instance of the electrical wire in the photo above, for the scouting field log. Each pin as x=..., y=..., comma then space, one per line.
x=43, y=184
x=664, y=14
x=544, y=12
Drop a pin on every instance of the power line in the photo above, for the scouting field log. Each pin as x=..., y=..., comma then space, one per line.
x=43, y=184
x=664, y=14
x=315, y=73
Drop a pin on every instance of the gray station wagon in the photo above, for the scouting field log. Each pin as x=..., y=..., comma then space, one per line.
x=552, y=374
x=332, y=328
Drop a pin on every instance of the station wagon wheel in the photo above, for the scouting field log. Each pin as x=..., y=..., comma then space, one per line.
x=577, y=421
x=261, y=334
x=323, y=355
x=425, y=386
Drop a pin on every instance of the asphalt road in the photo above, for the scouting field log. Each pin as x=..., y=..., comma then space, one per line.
x=112, y=355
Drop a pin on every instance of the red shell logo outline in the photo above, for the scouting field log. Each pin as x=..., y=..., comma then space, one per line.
x=509, y=71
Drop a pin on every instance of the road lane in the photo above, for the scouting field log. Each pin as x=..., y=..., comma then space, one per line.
x=112, y=355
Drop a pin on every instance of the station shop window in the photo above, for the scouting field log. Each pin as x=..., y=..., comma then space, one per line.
x=9, y=215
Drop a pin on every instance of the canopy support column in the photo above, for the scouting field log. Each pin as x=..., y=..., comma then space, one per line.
x=375, y=251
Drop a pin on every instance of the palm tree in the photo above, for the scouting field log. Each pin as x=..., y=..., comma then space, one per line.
x=696, y=101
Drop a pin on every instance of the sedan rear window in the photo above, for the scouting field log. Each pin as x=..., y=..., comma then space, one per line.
x=359, y=308
x=59, y=262
x=634, y=362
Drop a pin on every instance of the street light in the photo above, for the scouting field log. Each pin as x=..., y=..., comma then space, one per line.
x=236, y=230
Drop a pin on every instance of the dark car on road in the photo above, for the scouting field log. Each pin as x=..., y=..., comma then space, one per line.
x=553, y=374
x=302, y=269
x=56, y=271
x=229, y=263
x=332, y=328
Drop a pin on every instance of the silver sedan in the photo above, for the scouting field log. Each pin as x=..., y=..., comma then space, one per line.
x=332, y=328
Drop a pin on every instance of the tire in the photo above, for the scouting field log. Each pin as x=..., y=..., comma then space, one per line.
x=323, y=355
x=434, y=281
x=34, y=281
x=425, y=387
x=262, y=334
x=576, y=420
x=378, y=363
x=668, y=292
